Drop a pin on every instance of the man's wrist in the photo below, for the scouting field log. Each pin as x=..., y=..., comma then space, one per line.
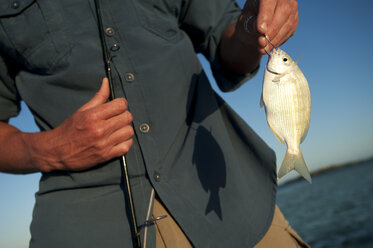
x=239, y=51
x=38, y=152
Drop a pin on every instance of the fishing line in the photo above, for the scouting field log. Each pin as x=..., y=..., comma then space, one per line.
x=265, y=36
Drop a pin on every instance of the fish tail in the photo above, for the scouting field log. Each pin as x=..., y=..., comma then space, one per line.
x=294, y=162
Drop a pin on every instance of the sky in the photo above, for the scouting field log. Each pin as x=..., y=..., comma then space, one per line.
x=332, y=39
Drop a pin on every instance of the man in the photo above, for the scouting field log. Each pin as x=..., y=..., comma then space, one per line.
x=189, y=156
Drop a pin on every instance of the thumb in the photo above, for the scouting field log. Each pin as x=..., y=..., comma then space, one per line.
x=101, y=96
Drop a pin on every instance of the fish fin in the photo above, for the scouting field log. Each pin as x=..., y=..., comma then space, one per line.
x=294, y=162
x=296, y=62
x=261, y=104
x=277, y=79
x=304, y=136
x=276, y=135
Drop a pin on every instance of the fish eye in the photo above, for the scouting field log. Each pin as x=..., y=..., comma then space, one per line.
x=284, y=59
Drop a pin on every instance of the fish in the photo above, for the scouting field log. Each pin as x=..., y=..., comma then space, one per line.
x=287, y=101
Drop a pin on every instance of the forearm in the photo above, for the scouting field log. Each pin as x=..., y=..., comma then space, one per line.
x=97, y=132
x=239, y=52
x=16, y=150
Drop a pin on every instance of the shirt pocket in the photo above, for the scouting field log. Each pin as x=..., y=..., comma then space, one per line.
x=26, y=35
x=160, y=17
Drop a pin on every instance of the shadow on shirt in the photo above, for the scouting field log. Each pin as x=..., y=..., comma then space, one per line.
x=209, y=161
x=208, y=156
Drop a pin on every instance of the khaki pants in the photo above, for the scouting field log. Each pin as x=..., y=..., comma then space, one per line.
x=279, y=235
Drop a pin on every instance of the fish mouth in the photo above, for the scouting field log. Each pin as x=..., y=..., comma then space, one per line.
x=271, y=71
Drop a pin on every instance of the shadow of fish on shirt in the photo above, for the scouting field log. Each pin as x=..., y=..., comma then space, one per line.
x=209, y=161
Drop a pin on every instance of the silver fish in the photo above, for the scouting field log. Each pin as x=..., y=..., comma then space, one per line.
x=287, y=101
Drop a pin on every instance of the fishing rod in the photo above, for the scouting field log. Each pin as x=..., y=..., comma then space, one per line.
x=107, y=58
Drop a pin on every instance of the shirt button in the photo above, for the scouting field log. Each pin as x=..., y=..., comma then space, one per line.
x=15, y=5
x=109, y=31
x=129, y=77
x=144, y=128
x=115, y=47
x=157, y=176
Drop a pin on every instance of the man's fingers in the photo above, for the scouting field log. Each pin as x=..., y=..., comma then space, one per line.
x=281, y=16
x=118, y=122
x=266, y=11
x=284, y=21
x=110, y=109
x=103, y=110
x=112, y=138
x=285, y=32
x=121, y=148
x=121, y=135
x=100, y=97
x=264, y=45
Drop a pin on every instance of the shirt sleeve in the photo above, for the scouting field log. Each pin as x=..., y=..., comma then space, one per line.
x=9, y=97
x=205, y=22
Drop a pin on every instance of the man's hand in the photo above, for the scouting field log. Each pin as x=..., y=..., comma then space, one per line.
x=97, y=132
x=241, y=48
x=278, y=19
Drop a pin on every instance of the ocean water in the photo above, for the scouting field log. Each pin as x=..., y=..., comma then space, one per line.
x=336, y=210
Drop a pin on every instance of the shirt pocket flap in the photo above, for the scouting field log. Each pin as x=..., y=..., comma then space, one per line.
x=9, y=8
x=158, y=18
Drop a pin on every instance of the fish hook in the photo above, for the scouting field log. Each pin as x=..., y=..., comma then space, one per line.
x=266, y=37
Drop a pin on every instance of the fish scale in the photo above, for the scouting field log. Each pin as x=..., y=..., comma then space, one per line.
x=287, y=101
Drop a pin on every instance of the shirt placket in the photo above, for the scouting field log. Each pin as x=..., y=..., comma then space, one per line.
x=127, y=85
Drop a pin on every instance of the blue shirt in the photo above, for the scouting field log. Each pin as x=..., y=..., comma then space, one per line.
x=211, y=171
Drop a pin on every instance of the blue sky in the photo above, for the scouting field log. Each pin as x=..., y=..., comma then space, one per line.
x=333, y=40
